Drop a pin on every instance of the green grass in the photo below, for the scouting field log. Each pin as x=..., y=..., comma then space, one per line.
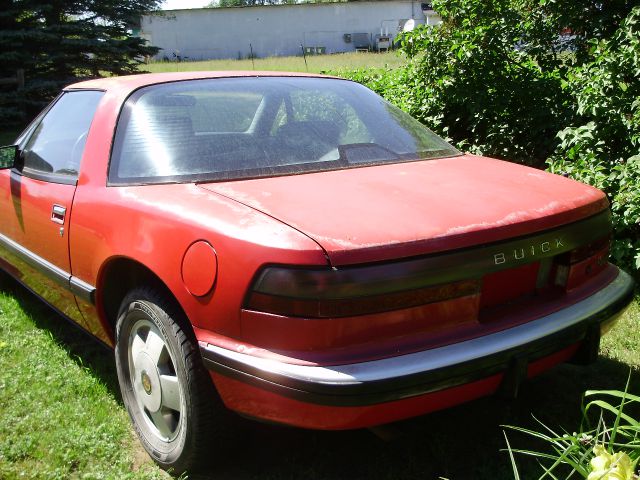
x=61, y=415
x=315, y=63
x=60, y=412
x=622, y=343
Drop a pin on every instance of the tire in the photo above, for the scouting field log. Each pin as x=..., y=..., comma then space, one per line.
x=168, y=393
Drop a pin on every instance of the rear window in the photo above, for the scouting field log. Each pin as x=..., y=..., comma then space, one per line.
x=233, y=128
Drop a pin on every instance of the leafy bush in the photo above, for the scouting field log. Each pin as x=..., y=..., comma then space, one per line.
x=480, y=80
x=604, y=150
x=480, y=83
x=493, y=76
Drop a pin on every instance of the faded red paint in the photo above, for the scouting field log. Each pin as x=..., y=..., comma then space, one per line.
x=400, y=210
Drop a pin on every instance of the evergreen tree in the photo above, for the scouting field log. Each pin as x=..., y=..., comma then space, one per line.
x=57, y=42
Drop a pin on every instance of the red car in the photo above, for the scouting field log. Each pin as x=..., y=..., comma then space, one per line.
x=298, y=248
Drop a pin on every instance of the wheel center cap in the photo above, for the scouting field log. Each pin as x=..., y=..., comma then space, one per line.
x=146, y=382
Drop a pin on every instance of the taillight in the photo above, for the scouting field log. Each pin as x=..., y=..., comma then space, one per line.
x=587, y=251
x=578, y=265
x=510, y=269
x=343, y=293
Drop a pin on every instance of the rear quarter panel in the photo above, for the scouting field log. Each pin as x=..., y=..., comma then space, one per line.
x=155, y=224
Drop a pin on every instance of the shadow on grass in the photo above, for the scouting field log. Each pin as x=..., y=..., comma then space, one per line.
x=465, y=442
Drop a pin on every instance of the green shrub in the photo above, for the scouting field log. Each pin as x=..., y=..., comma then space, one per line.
x=481, y=80
x=493, y=77
x=483, y=87
x=392, y=84
x=604, y=148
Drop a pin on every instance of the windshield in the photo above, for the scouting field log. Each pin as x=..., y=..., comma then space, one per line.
x=233, y=128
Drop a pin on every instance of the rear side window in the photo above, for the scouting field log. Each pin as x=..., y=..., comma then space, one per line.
x=234, y=128
x=56, y=146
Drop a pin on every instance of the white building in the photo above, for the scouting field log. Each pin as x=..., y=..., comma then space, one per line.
x=280, y=30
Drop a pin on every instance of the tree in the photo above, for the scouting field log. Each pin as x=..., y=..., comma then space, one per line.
x=585, y=20
x=59, y=41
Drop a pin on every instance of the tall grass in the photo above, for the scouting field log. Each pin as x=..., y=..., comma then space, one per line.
x=606, y=447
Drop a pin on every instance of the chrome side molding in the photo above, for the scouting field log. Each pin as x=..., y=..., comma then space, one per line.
x=76, y=286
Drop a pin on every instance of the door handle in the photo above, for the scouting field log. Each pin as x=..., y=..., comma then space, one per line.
x=57, y=214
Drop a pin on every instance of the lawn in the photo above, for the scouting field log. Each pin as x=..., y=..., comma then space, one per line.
x=61, y=415
x=60, y=410
x=315, y=63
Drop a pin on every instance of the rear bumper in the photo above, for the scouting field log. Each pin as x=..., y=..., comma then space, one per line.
x=369, y=383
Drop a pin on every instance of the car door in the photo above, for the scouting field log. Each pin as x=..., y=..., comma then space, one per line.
x=37, y=197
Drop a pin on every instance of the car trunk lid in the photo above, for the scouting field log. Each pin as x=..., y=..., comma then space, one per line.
x=385, y=212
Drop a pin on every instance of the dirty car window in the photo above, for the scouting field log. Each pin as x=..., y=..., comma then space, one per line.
x=233, y=128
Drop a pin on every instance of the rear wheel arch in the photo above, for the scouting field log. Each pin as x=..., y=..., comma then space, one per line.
x=121, y=275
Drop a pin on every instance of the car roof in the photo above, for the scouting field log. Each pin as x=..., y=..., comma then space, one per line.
x=133, y=82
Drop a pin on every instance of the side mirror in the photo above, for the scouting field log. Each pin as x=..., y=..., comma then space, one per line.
x=8, y=156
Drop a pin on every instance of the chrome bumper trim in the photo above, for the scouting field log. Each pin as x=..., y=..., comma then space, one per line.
x=433, y=369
